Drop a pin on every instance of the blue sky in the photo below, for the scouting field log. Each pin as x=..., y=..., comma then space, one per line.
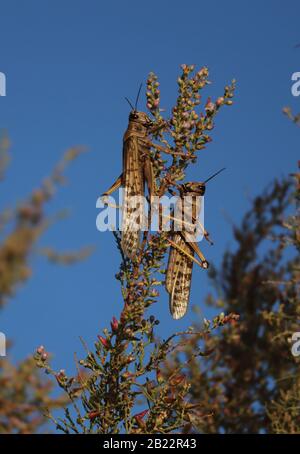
x=68, y=66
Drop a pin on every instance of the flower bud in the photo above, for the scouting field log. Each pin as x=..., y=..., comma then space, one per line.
x=154, y=293
x=114, y=324
x=93, y=414
x=103, y=341
x=186, y=125
x=220, y=101
x=210, y=106
x=40, y=349
x=141, y=415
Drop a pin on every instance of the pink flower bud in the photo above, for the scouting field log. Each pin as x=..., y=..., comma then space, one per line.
x=114, y=324
x=93, y=414
x=209, y=107
x=220, y=101
x=40, y=350
x=141, y=415
x=203, y=72
x=103, y=341
x=60, y=377
x=186, y=125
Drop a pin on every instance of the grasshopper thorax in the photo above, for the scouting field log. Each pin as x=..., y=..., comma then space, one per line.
x=138, y=126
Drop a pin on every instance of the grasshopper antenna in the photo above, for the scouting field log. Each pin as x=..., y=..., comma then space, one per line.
x=129, y=103
x=137, y=97
x=214, y=175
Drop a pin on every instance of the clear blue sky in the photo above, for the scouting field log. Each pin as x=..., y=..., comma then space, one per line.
x=69, y=65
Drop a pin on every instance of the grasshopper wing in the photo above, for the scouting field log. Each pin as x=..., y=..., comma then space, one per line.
x=133, y=207
x=178, y=277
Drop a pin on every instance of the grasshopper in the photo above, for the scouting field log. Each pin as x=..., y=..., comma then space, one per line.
x=183, y=250
x=137, y=170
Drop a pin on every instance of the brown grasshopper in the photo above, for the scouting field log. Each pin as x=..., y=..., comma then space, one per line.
x=183, y=250
x=137, y=169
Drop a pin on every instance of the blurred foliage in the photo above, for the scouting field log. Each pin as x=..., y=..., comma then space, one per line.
x=284, y=410
x=66, y=258
x=4, y=154
x=22, y=227
x=24, y=393
x=295, y=118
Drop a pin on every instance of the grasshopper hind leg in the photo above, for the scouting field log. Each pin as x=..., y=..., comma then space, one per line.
x=116, y=185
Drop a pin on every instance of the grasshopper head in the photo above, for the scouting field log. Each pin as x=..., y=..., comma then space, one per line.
x=194, y=187
x=140, y=117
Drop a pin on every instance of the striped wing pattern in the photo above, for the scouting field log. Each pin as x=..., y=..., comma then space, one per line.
x=133, y=185
x=178, y=277
x=180, y=265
